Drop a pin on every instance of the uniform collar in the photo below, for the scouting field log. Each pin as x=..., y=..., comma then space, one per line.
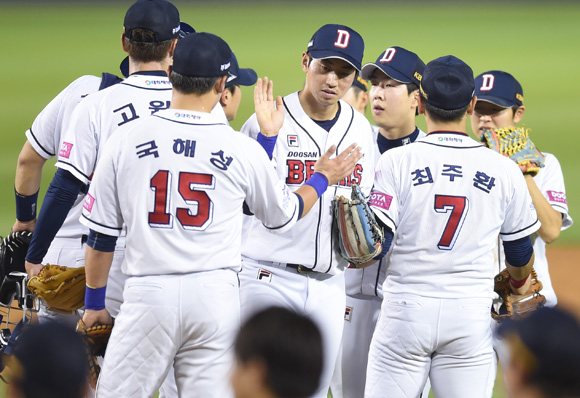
x=385, y=144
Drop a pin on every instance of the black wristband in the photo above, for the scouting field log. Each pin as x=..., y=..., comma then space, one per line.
x=25, y=206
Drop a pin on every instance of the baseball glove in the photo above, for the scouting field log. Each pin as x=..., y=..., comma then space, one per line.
x=516, y=306
x=96, y=339
x=514, y=142
x=13, y=250
x=61, y=288
x=359, y=234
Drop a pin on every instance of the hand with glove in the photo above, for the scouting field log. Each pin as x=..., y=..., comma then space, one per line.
x=519, y=298
x=61, y=288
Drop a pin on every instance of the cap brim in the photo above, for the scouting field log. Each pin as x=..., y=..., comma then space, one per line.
x=368, y=69
x=245, y=77
x=319, y=54
x=501, y=102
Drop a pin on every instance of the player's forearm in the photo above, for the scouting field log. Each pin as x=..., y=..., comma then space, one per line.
x=519, y=255
x=28, y=171
x=97, y=266
x=520, y=273
x=550, y=219
x=309, y=197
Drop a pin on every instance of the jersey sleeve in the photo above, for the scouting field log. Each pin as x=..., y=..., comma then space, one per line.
x=550, y=181
x=45, y=133
x=79, y=148
x=267, y=196
x=383, y=200
x=521, y=218
x=101, y=209
x=251, y=128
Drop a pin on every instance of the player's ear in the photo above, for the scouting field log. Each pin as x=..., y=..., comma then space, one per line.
x=172, y=48
x=306, y=59
x=471, y=106
x=225, y=98
x=421, y=106
x=220, y=85
x=364, y=100
x=415, y=99
x=519, y=114
x=124, y=43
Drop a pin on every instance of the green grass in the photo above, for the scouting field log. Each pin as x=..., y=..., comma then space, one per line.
x=46, y=46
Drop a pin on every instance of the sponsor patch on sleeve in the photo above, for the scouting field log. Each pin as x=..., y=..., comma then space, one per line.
x=559, y=197
x=89, y=202
x=65, y=149
x=381, y=200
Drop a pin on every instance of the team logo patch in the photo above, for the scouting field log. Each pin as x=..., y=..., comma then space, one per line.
x=293, y=141
x=347, y=314
x=381, y=200
x=65, y=149
x=89, y=202
x=264, y=275
x=555, y=196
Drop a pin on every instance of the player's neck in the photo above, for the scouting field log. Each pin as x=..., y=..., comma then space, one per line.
x=135, y=66
x=433, y=125
x=396, y=132
x=193, y=102
x=314, y=109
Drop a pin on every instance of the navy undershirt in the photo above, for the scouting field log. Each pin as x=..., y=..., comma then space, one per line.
x=328, y=124
x=385, y=144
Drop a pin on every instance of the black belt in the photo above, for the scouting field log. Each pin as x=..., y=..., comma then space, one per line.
x=300, y=268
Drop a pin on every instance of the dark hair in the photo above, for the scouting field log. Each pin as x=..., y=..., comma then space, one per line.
x=192, y=85
x=146, y=51
x=411, y=87
x=444, y=115
x=232, y=88
x=53, y=361
x=289, y=344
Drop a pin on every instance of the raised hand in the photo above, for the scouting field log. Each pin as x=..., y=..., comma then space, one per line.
x=337, y=168
x=270, y=114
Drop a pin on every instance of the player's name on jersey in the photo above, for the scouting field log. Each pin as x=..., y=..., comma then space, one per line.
x=481, y=180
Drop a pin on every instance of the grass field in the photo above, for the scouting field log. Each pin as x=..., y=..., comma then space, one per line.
x=47, y=45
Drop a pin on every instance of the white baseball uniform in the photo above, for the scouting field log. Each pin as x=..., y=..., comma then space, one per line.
x=446, y=198
x=270, y=273
x=45, y=136
x=364, y=296
x=178, y=180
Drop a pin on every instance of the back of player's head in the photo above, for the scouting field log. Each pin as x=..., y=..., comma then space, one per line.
x=199, y=60
x=548, y=345
x=361, y=84
x=337, y=41
x=397, y=63
x=240, y=76
x=447, y=88
x=499, y=88
x=49, y=361
x=290, y=346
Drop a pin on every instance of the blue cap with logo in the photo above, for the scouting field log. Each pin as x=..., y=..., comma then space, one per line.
x=499, y=88
x=202, y=55
x=159, y=16
x=361, y=83
x=399, y=64
x=337, y=41
x=184, y=30
x=447, y=83
x=240, y=76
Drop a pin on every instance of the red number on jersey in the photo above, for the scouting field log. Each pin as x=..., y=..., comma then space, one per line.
x=191, y=188
x=458, y=206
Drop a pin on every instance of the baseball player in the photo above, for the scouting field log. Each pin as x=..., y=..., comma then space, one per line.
x=302, y=268
x=394, y=97
x=443, y=201
x=358, y=94
x=500, y=104
x=191, y=174
x=232, y=96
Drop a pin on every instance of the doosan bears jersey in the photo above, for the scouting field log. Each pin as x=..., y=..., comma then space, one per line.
x=178, y=181
x=96, y=118
x=299, y=144
x=467, y=195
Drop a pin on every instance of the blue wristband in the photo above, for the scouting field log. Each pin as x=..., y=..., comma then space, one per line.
x=95, y=298
x=268, y=143
x=25, y=206
x=319, y=182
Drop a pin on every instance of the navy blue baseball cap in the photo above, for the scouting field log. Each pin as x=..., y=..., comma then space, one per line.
x=548, y=340
x=240, y=76
x=337, y=41
x=360, y=83
x=399, y=64
x=447, y=83
x=202, y=55
x=499, y=88
x=159, y=16
x=184, y=30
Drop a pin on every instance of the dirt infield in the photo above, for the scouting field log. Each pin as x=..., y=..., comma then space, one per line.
x=564, y=263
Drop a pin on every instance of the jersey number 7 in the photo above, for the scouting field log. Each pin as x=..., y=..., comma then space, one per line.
x=191, y=187
x=457, y=206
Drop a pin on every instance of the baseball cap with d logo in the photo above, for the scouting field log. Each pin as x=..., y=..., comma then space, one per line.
x=499, y=88
x=399, y=64
x=337, y=41
x=202, y=55
x=159, y=16
x=447, y=83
